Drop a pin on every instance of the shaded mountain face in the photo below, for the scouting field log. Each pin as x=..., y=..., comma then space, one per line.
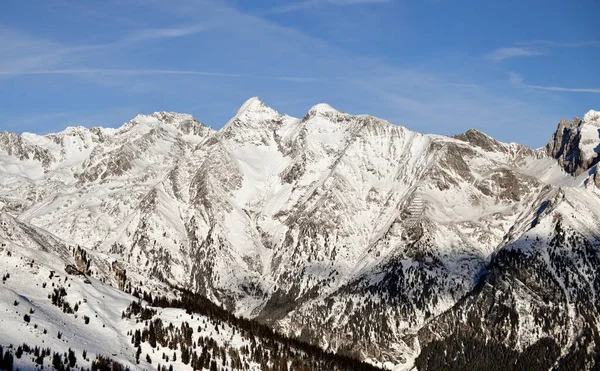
x=536, y=305
x=346, y=231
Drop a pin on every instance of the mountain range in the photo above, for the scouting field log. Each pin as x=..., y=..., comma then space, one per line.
x=345, y=232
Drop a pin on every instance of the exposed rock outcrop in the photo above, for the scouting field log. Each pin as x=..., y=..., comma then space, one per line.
x=576, y=144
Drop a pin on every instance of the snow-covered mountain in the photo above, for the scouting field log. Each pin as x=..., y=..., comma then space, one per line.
x=345, y=231
x=55, y=315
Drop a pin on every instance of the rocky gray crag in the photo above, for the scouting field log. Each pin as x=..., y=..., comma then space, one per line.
x=567, y=143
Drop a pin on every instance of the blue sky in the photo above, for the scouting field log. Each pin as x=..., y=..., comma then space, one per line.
x=509, y=68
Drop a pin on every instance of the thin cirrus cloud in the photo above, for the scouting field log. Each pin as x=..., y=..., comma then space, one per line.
x=156, y=72
x=161, y=33
x=145, y=34
x=501, y=54
x=516, y=79
x=43, y=59
x=301, y=79
x=314, y=3
x=525, y=48
x=123, y=72
x=563, y=89
x=560, y=44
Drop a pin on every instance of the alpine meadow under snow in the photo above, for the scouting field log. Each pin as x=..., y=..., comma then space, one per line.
x=328, y=242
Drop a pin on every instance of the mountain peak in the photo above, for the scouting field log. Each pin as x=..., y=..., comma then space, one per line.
x=171, y=116
x=473, y=131
x=480, y=139
x=323, y=108
x=576, y=145
x=252, y=104
x=253, y=110
x=592, y=117
x=183, y=122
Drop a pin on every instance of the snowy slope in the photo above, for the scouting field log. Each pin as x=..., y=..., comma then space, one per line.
x=45, y=303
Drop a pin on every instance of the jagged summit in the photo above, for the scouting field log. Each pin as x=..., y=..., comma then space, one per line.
x=171, y=116
x=253, y=122
x=163, y=117
x=255, y=105
x=576, y=144
x=480, y=139
x=473, y=131
x=322, y=108
x=592, y=117
x=253, y=108
x=252, y=104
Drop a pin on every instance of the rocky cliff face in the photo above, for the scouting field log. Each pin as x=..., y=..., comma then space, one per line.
x=575, y=143
x=347, y=231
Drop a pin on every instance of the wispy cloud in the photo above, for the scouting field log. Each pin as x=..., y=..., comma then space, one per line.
x=28, y=60
x=300, y=79
x=150, y=72
x=516, y=79
x=122, y=72
x=160, y=33
x=501, y=54
x=527, y=48
x=313, y=3
x=563, y=89
x=569, y=44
